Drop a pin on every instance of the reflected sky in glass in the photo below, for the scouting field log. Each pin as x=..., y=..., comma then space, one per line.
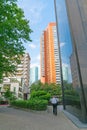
x=64, y=34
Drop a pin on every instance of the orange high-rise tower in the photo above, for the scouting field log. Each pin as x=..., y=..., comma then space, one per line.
x=50, y=63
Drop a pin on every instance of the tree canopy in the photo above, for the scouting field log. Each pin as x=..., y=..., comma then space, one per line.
x=14, y=31
x=53, y=89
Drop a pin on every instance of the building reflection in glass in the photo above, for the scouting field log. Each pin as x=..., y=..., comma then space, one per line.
x=72, y=33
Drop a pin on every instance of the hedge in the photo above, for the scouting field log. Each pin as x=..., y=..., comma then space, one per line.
x=34, y=104
x=37, y=104
x=19, y=103
x=38, y=101
x=42, y=95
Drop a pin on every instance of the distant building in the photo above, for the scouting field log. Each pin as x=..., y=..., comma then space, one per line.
x=33, y=74
x=50, y=61
x=18, y=82
x=65, y=73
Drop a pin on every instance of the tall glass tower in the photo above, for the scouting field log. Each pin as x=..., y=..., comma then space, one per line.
x=33, y=75
x=71, y=18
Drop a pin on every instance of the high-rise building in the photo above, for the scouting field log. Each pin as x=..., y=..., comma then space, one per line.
x=78, y=21
x=65, y=73
x=77, y=15
x=18, y=83
x=50, y=61
x=71, y=19
x=23, y=69
x=33, y=74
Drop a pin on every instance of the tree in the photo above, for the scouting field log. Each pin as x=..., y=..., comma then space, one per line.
x=9, y=95
x=67, y=86
x=14, y=30
x=36, y=86
x=53, y=89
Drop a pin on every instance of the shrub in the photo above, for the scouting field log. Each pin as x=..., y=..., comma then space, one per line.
x=37, y=101
x=34, y=104
x=37, y=104
x=19, y=103
x=40, y=95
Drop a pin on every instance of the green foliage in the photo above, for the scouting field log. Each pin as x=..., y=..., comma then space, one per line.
x=71, y=92
x=19, y=103
x=71, y=100
x=36, y=86
x=37, y=104
x=67, y=86
x=72, y=97
x=53, y=89
x=33, y=104
x=9, y=95
x=14, y=30
x=39, y=100
x=40, y=95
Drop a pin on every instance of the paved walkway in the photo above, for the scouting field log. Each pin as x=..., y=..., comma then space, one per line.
x=15, y=119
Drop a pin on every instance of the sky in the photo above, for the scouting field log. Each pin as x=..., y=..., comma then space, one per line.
x=64, y=36
x=39, y=13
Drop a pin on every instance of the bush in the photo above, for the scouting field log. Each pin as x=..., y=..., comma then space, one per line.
x=52, y=88
x=38, y=101
x=34, y=104
x=19, y=103
x=42, y=95
x=37, y=104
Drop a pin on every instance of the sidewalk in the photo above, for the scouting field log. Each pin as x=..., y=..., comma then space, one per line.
x=71, y=117
x=15, y=119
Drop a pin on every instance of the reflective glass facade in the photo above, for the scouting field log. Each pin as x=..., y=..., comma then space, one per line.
x=33, y=75
x=71, y=17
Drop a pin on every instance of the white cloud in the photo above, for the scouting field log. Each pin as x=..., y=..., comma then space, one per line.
x=33, y=10
x=65, y=64
x=32, y=46
x=34, y=65
x=38, y=57
x=69, y=71
x=36, y=12
x=62, y=44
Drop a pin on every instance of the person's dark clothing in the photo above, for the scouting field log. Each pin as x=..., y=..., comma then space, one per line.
x=55, y=109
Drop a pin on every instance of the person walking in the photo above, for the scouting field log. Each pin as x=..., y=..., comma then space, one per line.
x=54, y=102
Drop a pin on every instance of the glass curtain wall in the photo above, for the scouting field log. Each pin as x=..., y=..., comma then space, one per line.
x=73, y=48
